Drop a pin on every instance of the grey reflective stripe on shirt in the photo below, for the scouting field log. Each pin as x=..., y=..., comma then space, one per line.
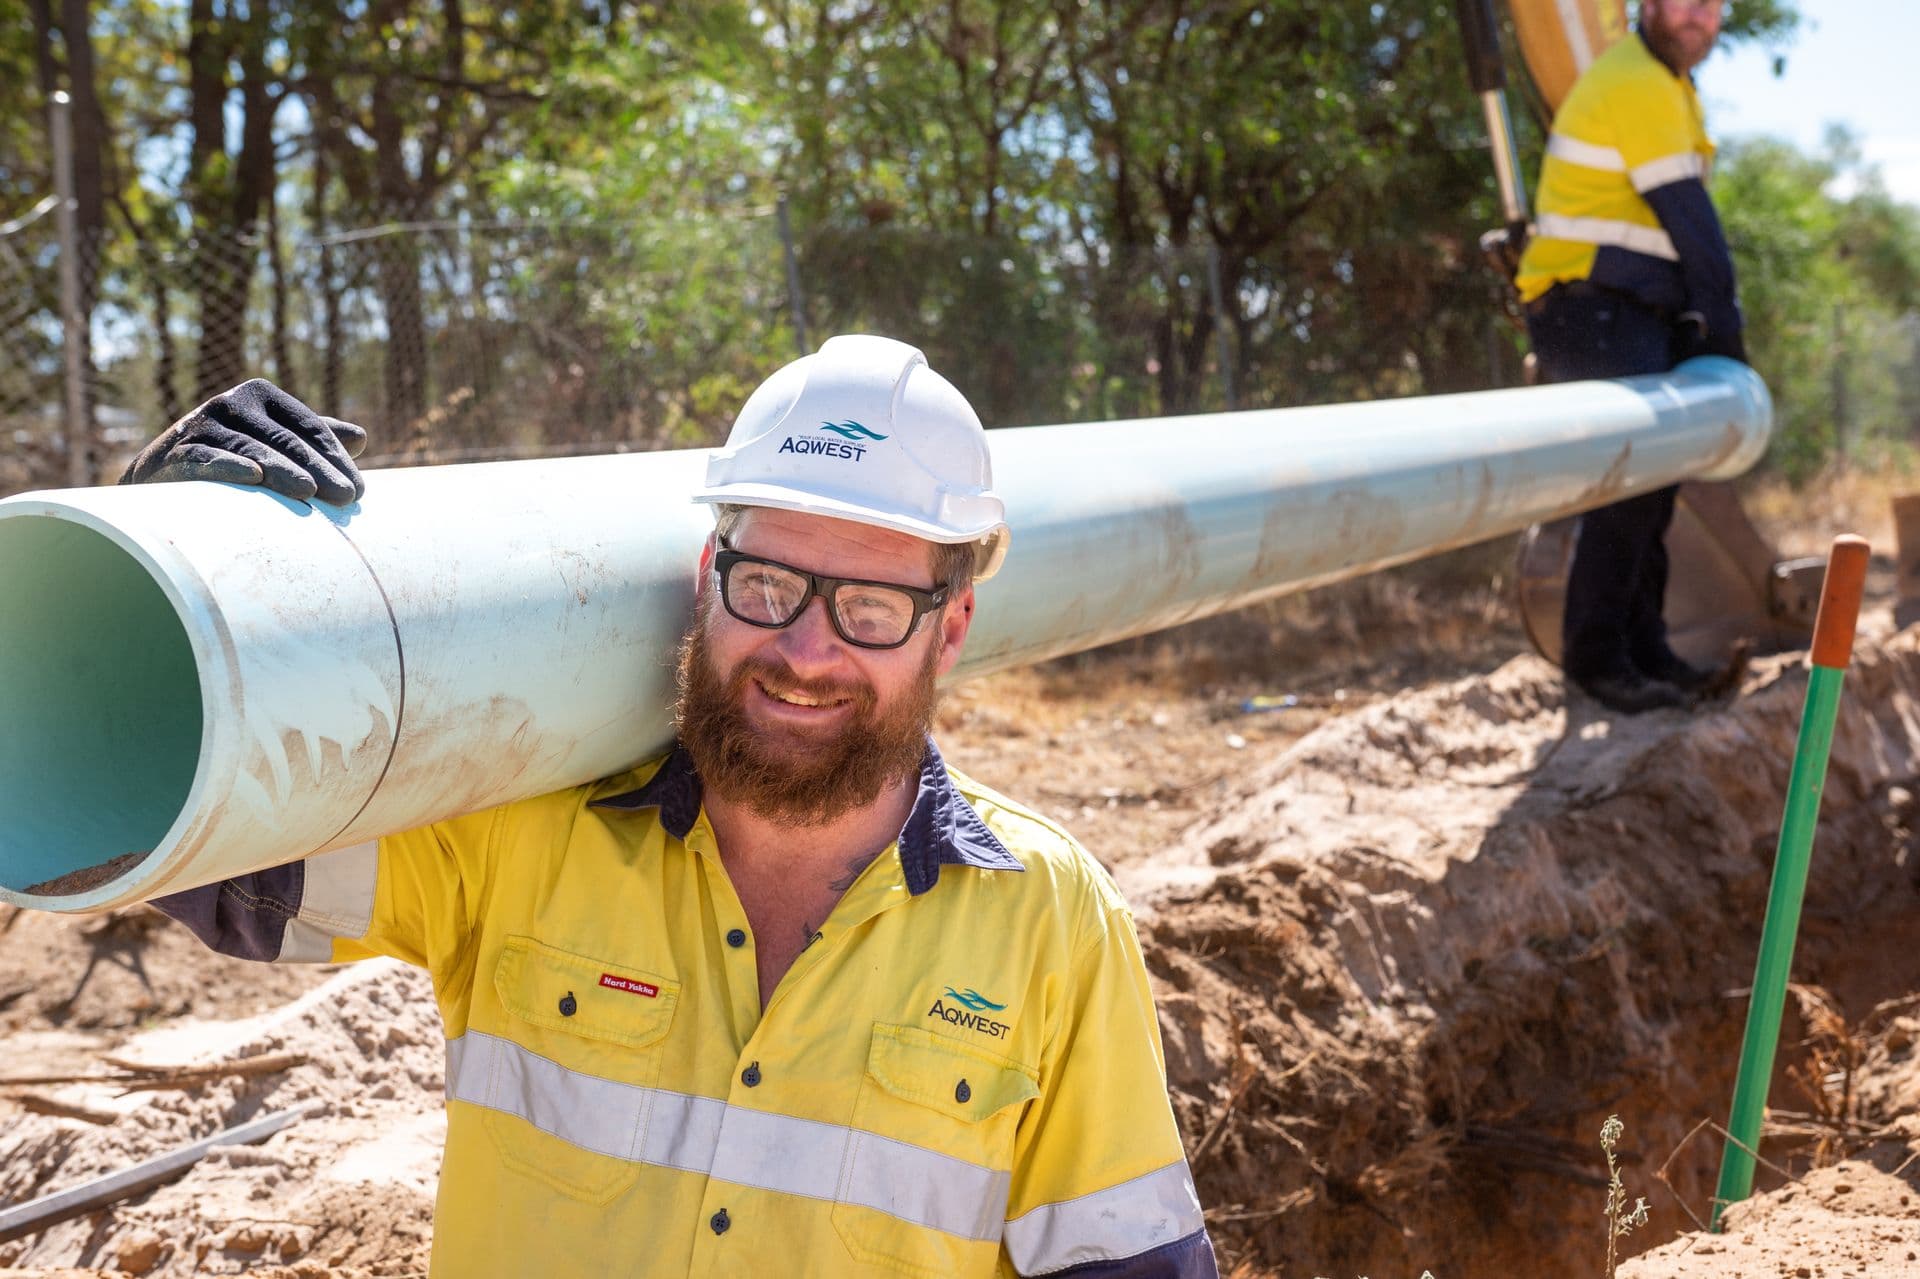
x=1108, y=1225
x=1668, y=168
x=1649, y=240
x=1645, y=177
x=1587, y=155
x=336, y=900
x=731, y=1143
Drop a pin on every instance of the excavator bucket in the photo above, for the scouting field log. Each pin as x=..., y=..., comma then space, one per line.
x=1560, y=38
x=1725, y=583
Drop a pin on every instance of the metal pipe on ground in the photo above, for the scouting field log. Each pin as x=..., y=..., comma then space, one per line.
x=199, y=680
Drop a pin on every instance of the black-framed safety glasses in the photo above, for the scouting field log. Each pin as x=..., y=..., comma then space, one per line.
x=770, y=594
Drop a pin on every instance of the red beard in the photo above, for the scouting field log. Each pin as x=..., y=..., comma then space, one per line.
x=814, y=782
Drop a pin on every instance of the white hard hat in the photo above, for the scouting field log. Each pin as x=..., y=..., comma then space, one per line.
x=863, y=430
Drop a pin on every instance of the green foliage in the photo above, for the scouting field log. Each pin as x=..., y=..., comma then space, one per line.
x=1046, y=194
x=1829, y=270
x=1043, y=194
x=1769, y=22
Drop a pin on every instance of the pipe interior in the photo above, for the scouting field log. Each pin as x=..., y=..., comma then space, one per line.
x=99, y=704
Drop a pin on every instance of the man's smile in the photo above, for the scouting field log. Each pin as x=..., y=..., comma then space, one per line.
x=794, y=697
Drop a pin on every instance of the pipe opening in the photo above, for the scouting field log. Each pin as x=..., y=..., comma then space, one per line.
x=100, y=717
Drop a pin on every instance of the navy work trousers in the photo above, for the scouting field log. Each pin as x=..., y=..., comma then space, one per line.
x=1618, y=581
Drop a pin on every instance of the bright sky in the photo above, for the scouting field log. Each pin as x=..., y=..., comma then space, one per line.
x=1852, y=62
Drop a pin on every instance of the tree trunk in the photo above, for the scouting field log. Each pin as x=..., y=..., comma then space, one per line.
x=399, y=271
x=88, y=135
x=229, y=192
x=406, y=347
x=217, y=363
x=89, y=147
x=154, y=269
x=330, y=354
x=283, y=371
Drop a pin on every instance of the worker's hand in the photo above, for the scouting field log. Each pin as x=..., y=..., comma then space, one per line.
x=1691, y=337
x=258, y=434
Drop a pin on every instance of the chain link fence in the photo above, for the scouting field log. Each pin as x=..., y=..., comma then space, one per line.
x=32, y=424
x=465, y=341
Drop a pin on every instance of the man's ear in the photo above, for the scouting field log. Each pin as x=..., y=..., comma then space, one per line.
x=955, y=620
x=706, y=563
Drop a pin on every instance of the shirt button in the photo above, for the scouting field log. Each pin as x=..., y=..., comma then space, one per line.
x=737, y=938
x=568, y=1006
x=751, y=1075
x=962, y=1093
x=720, y=1221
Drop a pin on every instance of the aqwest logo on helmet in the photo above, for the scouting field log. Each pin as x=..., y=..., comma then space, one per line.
x=848, y=430
x=863, y=430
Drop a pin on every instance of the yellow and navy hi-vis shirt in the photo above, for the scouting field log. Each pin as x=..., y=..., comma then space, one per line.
x=960, y=1075
x=1623, y=201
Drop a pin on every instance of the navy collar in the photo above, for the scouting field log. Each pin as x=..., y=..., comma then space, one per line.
x=674, y=789
x=942, y=830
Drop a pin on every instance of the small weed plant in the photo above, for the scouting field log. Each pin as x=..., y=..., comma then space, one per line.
x=1621, y=1221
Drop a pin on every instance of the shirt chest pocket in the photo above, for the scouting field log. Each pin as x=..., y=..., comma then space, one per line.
x=569, y=1086
x=925, y=1186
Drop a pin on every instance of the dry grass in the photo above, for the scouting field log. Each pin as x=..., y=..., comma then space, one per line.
x=1825, y=1077
x=1805, y=520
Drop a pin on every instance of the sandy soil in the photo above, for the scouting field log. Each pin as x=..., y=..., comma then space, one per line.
x=1415, y=933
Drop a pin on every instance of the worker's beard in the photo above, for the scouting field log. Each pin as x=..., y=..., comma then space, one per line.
x=1681, y=46
x=806, y=782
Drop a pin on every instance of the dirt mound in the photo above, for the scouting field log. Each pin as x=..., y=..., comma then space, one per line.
x=124, y=969
x=348, y=1190
x=1859, y=1218
x=1411, y=971
x=1860, y=1213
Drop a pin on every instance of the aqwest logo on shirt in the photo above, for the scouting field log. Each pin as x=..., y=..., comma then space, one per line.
x=971, y=1015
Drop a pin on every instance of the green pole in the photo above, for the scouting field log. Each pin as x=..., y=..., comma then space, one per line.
x=1832, y=648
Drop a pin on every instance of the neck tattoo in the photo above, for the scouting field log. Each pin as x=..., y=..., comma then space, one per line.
x=844, y=880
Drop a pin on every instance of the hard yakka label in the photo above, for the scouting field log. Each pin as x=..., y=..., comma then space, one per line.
x=633, y=986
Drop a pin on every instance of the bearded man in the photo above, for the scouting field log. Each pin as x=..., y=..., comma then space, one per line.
x=1628, y=272
x=795, y=998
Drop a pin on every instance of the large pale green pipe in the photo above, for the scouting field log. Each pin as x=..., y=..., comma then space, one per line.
x=198, y=680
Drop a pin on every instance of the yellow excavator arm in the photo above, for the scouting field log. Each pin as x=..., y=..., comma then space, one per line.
x=1560, y=38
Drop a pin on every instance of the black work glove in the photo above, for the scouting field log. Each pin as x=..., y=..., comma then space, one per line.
x=1691, y=337
x=258, y=434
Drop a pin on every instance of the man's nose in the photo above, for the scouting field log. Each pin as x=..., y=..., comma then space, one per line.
x=809, y=643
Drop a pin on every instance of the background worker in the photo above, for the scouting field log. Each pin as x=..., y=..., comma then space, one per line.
x=1628, y=272
x=795, y=998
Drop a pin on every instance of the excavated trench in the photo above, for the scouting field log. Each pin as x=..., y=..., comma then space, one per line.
x=1410, y=973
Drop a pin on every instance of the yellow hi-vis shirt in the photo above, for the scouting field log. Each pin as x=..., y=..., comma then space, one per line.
x=960, y=1075
x=1629, y=126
